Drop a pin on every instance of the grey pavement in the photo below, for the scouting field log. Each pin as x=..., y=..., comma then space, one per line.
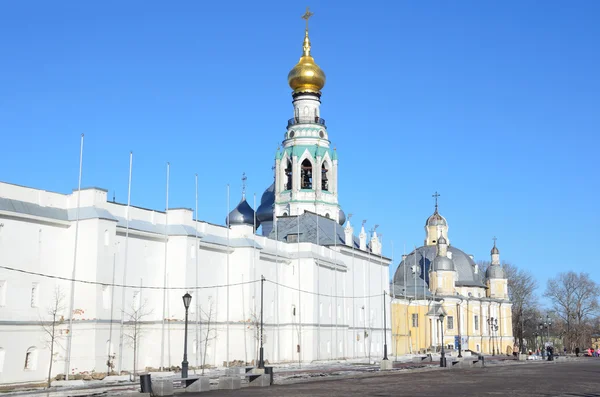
x=570, y=378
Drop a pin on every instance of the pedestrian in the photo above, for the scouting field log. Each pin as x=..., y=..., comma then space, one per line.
x=565, y=351
x=577, y=351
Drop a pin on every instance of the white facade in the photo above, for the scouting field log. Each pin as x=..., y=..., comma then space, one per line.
x=37, y=234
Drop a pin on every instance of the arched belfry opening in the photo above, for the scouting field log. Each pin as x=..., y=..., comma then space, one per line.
x=288, y=174
x=325, y=176
x=306, y=175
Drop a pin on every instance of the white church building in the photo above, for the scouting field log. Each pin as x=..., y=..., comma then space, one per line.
x=323, y=288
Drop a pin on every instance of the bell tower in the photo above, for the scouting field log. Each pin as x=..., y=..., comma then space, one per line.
x=306, y=165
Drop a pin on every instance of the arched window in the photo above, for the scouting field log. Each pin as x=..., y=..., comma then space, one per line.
x=325, y=176
x=306, y=175
x=31, y=358
x=106, y=238
x=288, y=174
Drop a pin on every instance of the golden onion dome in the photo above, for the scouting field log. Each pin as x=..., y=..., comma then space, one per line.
x=306, y=76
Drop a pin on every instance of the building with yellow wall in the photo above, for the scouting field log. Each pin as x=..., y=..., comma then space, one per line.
x=439, y=278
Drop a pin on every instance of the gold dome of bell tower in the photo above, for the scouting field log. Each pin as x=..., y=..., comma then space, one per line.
x=306, y=76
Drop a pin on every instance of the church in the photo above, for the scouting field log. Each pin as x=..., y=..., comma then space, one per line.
x=93, y=285
x=440, y=279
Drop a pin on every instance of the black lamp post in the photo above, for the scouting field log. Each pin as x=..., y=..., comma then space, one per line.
x=496, y=329
x=443, y=357
x=261, y=359
x=490, y=322
x=187, y=299
x=385, y=357
x=535, y=335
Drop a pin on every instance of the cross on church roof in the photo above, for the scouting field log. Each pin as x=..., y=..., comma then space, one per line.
x=307, y=16
x=494, y=238
x=244, y=179
x=436, y=195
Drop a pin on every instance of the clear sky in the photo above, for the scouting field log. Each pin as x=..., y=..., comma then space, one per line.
x=494, y=104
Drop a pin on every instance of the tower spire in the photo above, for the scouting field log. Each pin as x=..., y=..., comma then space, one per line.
x=436, y=195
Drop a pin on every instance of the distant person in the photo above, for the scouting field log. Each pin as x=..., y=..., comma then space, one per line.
x=577, y=351
x=565, y=351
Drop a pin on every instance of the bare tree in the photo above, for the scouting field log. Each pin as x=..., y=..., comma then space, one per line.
x=210, y=333
x=521, y=291
x=133, y=329
x=253, y=324
x=575, y=301
x=51, y=328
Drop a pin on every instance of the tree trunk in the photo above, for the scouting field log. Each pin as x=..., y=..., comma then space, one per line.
x=51, y=350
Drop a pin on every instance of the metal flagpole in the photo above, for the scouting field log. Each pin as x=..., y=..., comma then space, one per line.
x=227, y=307
x=112, y=305
x=277, y=277
x=164, y=311
x=197, y=250
x=299, y=299
x=416, y=304
x=122, y=329
x=335, y=284
x=72, y=302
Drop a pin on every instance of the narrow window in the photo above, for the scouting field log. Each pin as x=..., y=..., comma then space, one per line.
x=288, y=174
x=476, y=322
x=35, y=291
x=415, y=320
x=30, y=358
x=106, y=238
x=450, y=322
x=325, y=177
x=320, y=309
x=306, y=175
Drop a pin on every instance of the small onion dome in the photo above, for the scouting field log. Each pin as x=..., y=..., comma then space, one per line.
x=342, y=217
x=443, y=263
x=436, y=220
x=442, y=240
x=306, y=76
x=494, y=271
x=264, y=213
x=495, y=250
x=243, y=214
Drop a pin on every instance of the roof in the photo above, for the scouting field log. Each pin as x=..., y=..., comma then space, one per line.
x=329, y=231
x=423, y=258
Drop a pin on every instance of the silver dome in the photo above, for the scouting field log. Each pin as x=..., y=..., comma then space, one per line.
x=264, y=213
x=443, y=263
x=243, y=214
x=494, y=271
x=442, y=240
x=436, y=220
x=495, y=250
x=342, y=217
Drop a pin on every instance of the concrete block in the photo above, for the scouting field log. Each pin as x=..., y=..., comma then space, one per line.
x=202, y=384
x=162, y=387
x=235, y=371
x=229, y=382
x=386, y=365
x=522, y=357
x=257, y=371
x=261, y=381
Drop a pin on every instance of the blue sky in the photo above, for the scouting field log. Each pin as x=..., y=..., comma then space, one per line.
x=493, y=104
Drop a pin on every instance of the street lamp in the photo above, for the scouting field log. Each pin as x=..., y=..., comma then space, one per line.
x=496, y=329
x=443, y=357
x=187, y=299
x=490, y=322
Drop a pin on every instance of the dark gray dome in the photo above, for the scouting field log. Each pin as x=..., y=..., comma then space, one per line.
x=495, y=250
x=264, y=213
x=442, y=240
x=494, y=271
x=424, y=257
x=436, y=220
x=243, y=214
x=342, y=217
x=443, y=263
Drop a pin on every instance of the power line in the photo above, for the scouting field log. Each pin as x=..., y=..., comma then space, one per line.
x=121, y=285
x=325, y=295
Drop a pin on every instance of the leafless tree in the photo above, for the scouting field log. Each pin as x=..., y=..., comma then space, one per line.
x=134, y=329
x=210, y=333
x=521, y=291
x=574, y=297
x=51, y=328
x=253, y=324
